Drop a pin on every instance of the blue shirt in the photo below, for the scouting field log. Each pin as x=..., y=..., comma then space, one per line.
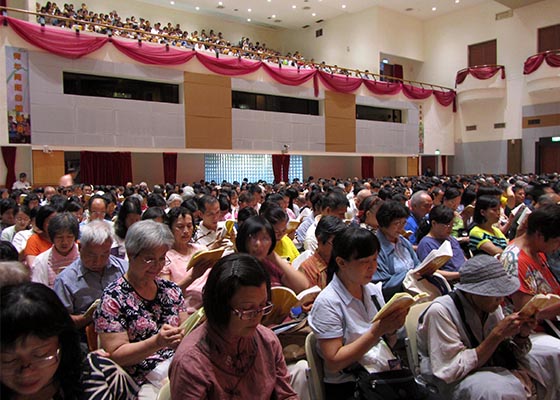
x=393, y=263
x=412, y=225
x=429, y=243
x=78, y=287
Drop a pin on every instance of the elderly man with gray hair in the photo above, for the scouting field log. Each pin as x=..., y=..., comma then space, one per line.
x=83, y=281
x=420, y=204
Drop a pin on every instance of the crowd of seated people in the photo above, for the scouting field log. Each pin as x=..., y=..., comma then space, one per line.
x=140, y=28
x=136, y=241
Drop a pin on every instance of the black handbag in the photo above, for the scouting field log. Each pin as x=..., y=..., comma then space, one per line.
x=388, y=385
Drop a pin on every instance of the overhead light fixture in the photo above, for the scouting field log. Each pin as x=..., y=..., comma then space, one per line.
x=273, y=15
x=385, y=61
x=434, y=8
x=313, y=14
x=172, y=2
x=197, y=8
x=249, y=10
x=248, y=19
x=220, y=3
x=294, y=6
x=344, y=6
x=457, y=1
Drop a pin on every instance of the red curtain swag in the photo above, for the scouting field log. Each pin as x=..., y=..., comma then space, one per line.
x=170, y=167
x=481, y=73
x=534, y=62
x=9, y=154
x=105, y=168
x=367, y=167
x=73, y=45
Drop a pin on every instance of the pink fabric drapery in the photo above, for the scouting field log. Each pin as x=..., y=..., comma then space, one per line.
x=9, y=155
x=228, y=66
x=170, y=167
x=534, y=62
x=480, y=73
x=55, y=40
x=67, y=43
x=415, y=93
x=105, y=168
x=381, y=88
x=367, y=167
x=339, y=83
x=154, y=54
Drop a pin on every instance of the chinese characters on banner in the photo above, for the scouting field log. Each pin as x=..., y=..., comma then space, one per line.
x=17, y=83
x=420, y=130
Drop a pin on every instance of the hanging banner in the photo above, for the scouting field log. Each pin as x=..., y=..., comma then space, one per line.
x=17, y=83
x=420, y=131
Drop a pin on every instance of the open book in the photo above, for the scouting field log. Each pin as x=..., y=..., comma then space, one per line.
x=210, y=257
x=399, y=301
x=292, y=226
x=435, y=259
x=539, y=302
x=193, y=321
x=91, y=309
x=230, y=223
x=284, y=299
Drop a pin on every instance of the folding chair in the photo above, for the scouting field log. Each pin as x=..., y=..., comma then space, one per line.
x=315, y=372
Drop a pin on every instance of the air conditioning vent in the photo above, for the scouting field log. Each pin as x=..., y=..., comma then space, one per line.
x=469, y=128
x=504, y=15
x=319, y=21
x=305, y=26
x=306, y=8
x=535, y=121
x=499, y=125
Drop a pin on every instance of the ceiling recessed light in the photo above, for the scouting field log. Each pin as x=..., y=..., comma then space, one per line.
x=220, y=3
x=344, y=6
x=197, y=8
x=249, y=10
x=294, y=6
x=172, y=3
x=313, y=14
x=248, y=19
x=269, y=1
x=457, y=1
x=434, y=8
x=273, y=15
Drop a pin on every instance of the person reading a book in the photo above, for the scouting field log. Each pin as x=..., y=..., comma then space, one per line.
x=181, y=223
x=315, y=267
x=256, y=237
x=83, y=281
x=368, y=212
x=40, y=354
x=438, y=228
x=396, y=255
x=231, y=355
x=278, y=218
x=139, y=315
x=525, y=259
x=469, y=350
x=342, y=315
x=484, y=237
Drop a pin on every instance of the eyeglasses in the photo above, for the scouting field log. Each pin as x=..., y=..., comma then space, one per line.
x=13, y=367
x=449, y=225
x=152, y=261
x=250, y=314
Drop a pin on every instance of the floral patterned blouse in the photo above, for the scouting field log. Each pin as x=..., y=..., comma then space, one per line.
x=123, y=310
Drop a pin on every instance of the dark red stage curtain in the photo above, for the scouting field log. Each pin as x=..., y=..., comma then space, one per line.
x=9, y=154
x=56, y=40
x=443, y=165
x=285, y=167
x=277, y=167
x=170, y=167
x=104, y=168
x=155, y=54
x=367, y=167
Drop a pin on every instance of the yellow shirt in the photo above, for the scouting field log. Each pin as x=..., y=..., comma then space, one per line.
x=285, y=248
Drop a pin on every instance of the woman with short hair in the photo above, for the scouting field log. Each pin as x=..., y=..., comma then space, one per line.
x=231, y=352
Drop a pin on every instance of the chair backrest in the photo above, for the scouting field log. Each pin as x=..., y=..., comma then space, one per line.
x=316, y=374
x=410, y=326
x=164, y=392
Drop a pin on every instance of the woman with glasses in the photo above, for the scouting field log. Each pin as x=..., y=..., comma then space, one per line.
x=40, y=355
x=439, y=230
x=232, y=356
x=256, y=237
x=139, y=315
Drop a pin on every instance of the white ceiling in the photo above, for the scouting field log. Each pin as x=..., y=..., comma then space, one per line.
x=294, y=14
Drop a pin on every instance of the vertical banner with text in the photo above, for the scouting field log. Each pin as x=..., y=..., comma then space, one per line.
x=17, y=83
